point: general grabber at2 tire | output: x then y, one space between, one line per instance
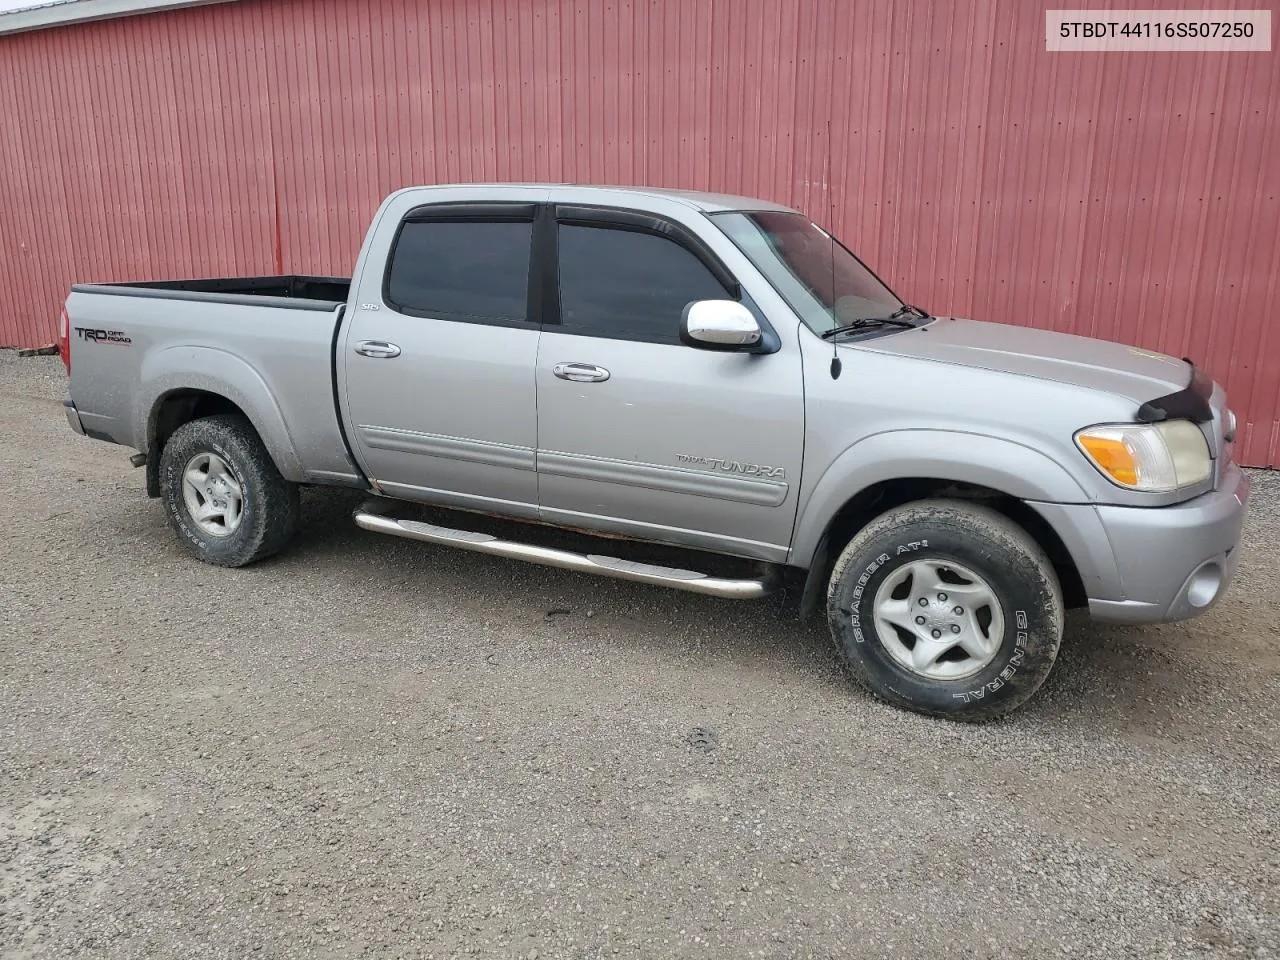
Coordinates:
947 608
223 493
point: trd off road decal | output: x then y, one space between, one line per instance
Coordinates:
103 336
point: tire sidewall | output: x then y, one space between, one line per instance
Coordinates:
1031 616
196 438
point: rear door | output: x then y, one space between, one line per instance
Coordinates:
438 358
641 434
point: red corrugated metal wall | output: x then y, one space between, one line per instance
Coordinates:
1130 196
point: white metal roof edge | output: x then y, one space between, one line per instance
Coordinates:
59 13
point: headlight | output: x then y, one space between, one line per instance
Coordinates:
1153 457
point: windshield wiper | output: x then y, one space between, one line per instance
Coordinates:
908 308
896 319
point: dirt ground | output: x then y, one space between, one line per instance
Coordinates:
374 748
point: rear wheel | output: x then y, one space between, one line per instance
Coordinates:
947 608
223 493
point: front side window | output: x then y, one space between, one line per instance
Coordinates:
628 285
461 270
823 283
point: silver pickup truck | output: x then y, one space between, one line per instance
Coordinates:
710 373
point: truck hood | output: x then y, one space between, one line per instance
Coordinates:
1139 375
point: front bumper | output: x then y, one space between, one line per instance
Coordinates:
1153 564
73 416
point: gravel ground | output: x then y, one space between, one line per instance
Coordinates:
374 748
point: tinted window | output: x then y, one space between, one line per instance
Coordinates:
461 271
628 285
821 280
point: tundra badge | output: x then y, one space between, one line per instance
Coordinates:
734 466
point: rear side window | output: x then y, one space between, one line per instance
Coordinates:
628 285
460 270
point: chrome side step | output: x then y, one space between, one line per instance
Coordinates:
689 580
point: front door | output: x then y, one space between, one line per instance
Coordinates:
438 359
643 435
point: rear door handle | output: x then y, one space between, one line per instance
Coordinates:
580 372
378 349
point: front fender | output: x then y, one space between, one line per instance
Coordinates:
216 371
1004 465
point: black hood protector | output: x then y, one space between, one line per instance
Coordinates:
1190 403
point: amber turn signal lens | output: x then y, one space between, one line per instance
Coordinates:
1113 457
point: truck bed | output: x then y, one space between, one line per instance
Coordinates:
321 290
264 344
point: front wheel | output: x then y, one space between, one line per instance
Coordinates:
224 495
947 608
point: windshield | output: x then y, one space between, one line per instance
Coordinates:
797 255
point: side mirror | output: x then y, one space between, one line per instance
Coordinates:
719 325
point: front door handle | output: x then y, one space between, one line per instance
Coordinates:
580 372
378 349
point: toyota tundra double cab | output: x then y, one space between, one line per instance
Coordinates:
713 374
